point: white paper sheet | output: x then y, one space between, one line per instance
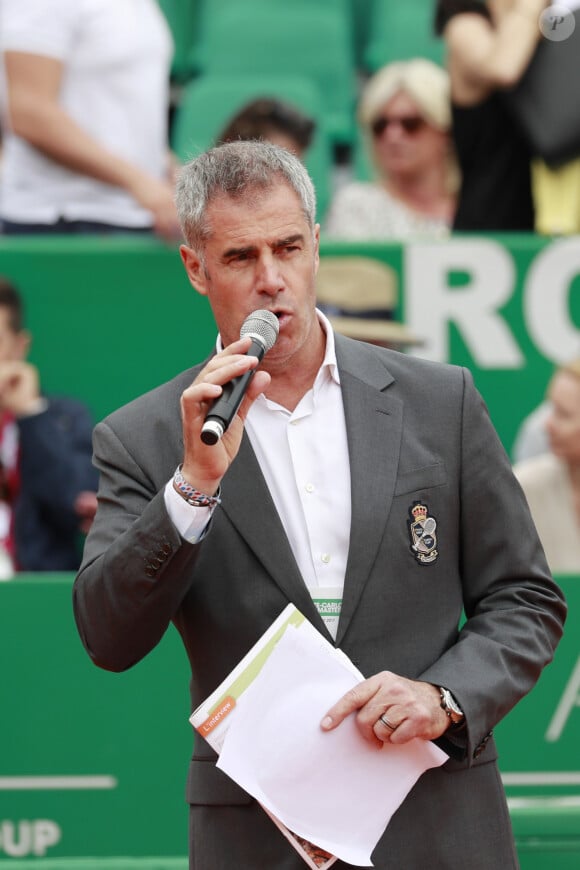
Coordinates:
332 788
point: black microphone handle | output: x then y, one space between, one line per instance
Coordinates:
225 407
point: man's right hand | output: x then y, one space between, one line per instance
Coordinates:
205 465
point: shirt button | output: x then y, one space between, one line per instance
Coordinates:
326 558
309 487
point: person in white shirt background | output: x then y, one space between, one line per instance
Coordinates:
86 117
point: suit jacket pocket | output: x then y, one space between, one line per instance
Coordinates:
208 785
421 478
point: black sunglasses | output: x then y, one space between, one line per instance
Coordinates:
411 124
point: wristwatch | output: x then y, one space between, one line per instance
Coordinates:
451 707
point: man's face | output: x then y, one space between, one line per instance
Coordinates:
261 254
13 345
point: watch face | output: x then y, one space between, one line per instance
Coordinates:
450 706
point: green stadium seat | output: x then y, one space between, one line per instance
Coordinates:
212 10
182 17
361 16
268 39
400 31
208 102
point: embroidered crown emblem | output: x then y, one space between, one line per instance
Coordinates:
423 533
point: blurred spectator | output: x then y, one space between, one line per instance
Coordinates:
47 481
359 295
2 117
273 121
85 131
489 47
405 116
556 193
551 481
531 438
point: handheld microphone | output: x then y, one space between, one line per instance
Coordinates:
263 328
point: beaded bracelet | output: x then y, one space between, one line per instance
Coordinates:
192 495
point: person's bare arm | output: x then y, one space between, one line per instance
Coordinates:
36 115
483 57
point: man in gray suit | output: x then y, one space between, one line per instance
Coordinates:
350 472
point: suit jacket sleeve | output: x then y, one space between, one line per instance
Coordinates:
136 568
514 611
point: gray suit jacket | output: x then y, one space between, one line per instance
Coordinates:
418 432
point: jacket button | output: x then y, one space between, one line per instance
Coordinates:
152 565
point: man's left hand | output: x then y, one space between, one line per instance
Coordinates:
409 709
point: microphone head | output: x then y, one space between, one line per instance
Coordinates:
262 326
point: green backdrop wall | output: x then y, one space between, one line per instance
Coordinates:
112 318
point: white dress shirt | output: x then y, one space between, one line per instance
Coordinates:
303 455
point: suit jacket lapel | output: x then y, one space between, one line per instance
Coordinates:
374 422
249 505
374 428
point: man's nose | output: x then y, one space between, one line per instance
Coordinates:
268 277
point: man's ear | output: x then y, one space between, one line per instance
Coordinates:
194 269
316 247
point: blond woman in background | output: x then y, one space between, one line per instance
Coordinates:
405 120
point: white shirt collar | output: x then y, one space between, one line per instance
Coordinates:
329 365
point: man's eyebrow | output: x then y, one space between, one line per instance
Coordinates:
289 240
234 252
278 243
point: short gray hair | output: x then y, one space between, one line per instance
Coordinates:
237 169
